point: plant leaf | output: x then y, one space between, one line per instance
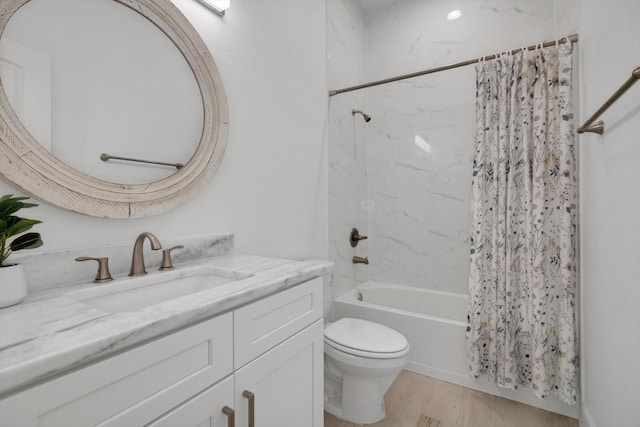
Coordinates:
10 204
12 225
11 220
22 225
26 241
8 207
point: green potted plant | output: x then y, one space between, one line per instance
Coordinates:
14 237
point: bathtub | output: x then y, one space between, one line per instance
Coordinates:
434 322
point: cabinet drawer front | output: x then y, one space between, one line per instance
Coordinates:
205 409
132 388
262 325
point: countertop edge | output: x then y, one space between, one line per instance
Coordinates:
44 357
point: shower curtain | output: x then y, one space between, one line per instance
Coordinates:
522 307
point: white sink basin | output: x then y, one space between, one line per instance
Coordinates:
134 293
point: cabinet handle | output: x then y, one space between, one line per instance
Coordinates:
231 415
252 407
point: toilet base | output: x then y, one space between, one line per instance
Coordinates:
356 398
361 403
356 378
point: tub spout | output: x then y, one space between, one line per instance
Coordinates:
360 260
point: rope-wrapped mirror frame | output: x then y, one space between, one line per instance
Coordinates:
26 164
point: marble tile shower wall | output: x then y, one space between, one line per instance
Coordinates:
415 203
347 141
419 226
411 35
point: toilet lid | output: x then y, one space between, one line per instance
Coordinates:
365 336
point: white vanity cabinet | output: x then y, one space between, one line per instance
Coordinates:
286 384
279 359
204 409
132 388
270 349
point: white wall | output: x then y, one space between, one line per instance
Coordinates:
271 188
346 66
610 192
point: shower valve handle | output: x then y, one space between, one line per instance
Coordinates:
355 237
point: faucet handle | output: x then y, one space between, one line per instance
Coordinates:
166 258
355 237
103 274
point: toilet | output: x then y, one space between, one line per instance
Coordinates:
361 360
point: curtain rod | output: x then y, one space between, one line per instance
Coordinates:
573 38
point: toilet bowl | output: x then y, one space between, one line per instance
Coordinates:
361 360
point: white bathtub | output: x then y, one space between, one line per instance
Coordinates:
434 322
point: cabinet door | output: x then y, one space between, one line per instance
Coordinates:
131 388
203 410
287 383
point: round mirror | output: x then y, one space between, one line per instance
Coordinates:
89 84
114 84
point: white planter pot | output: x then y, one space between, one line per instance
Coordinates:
13 285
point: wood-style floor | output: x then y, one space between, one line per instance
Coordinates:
418 401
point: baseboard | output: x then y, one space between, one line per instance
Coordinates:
520 395
586 419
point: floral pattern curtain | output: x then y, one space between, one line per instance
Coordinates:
522 305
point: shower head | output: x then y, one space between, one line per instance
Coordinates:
367 118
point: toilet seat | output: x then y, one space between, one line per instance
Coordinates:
365 354
365 339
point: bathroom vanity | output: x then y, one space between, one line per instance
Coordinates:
245 353
234 341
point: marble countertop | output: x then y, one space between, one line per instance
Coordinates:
51 333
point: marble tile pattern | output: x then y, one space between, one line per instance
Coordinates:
347 142
50 336
46 269
412 35
418 202
419 228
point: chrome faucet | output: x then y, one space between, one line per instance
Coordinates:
137 261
